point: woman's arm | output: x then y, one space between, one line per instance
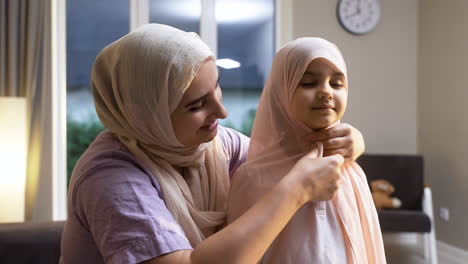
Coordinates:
247 239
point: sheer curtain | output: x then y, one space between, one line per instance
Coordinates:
26 71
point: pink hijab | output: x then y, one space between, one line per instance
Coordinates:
276 144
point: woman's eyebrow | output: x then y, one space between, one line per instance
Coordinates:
196 100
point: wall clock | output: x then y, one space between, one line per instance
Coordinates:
358 16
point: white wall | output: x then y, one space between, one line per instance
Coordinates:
442 111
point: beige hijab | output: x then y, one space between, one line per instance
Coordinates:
137 82
277 142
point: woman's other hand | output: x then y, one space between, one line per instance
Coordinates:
342 139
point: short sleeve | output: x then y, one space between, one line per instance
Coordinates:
235 146
124 211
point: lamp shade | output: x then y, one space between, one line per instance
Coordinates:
13 153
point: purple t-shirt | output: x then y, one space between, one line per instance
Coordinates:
116 210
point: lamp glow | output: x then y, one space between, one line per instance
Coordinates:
228 63
13 151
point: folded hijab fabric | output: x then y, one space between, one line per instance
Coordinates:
137 82
343 230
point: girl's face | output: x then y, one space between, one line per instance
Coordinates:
195 118
321 96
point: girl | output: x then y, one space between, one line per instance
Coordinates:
307 91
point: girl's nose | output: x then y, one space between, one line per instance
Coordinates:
326 92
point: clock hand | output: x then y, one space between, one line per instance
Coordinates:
359 5
357 12
353 14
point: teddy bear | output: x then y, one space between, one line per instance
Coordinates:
381 191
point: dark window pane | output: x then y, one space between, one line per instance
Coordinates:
246 43
91 25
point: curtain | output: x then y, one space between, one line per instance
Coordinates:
25 59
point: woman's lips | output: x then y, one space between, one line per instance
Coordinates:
211 126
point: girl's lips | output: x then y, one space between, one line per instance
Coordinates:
211 126
323 106
323 110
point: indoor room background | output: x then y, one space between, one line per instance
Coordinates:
407 82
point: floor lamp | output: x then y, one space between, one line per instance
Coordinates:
13 153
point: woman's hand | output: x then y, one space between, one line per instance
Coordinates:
318 178
342 139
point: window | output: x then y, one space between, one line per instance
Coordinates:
245 54
244 44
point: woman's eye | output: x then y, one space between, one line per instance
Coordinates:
196 107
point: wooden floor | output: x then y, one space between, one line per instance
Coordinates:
403 254
407 249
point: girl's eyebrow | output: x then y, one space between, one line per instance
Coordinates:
319 74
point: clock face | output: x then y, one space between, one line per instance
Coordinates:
358 16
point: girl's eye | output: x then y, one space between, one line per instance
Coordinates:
337 83
309 84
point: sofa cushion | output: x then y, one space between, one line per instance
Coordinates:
404 221
31 242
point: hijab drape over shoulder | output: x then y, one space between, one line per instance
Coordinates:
137 82
276 144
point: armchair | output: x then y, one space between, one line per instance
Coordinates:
405 172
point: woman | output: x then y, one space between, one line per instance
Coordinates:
153 187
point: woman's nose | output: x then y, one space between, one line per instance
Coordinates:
220 110
222 114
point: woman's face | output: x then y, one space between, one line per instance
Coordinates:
321 96
195 118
